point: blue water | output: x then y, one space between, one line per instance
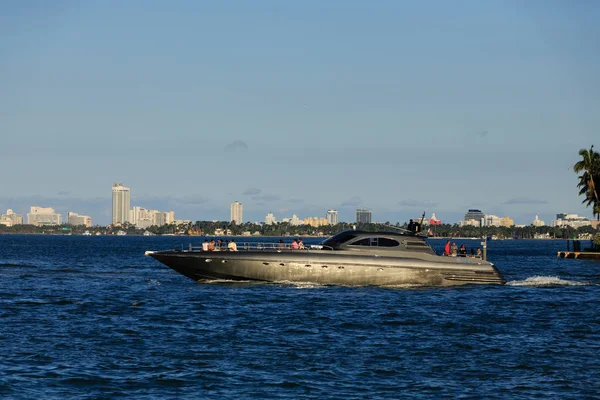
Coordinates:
92 318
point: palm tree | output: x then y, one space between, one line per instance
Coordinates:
589 180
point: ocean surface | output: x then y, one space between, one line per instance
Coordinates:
93 318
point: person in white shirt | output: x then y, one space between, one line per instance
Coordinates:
232 246
205 245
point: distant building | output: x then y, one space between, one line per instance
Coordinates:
10 218
474 215
315 222
572 220
163 218
434 221
270 219
494 220
42 216
76 219
538 222
332 217
363 216
121 202
236 212
295 221
469 222
143 218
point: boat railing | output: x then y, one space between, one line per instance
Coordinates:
260 246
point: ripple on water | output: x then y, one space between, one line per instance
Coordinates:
546 281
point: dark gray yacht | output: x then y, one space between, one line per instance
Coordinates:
348 258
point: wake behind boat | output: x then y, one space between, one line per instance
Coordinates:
348 258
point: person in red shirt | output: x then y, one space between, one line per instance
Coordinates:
447 249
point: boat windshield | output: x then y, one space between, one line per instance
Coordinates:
338 239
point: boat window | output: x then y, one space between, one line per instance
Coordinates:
338 239
386 242
362 242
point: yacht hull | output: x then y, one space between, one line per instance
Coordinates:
330 268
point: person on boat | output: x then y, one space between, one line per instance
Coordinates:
300 244
281 245
454 249
447 251
294 245
205 245
411 226
211 245
462 252
232 246
478 253
219 246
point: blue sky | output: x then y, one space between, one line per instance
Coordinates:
297 107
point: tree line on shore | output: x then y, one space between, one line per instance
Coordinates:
210 228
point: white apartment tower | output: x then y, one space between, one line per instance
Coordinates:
332 217
121 200
236 212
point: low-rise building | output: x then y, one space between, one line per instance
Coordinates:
76 219
42 216
537 222
10 218
494 220
573 220
270 219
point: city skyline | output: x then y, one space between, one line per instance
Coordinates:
143 217
397 107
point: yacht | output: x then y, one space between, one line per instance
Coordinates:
348 258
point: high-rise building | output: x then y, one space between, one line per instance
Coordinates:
270 219
121 200
474 215
363 216
332 217
40 216
236 212
76 219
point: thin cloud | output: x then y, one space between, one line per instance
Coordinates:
352 202
192 200
252 192
296 201
524 200
417 203
236 145
482 134
266 198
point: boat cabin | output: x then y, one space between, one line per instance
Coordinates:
377 241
